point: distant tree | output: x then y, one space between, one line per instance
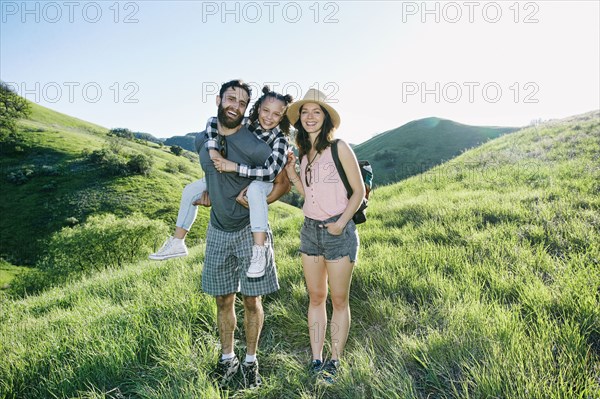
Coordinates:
122 132
12 107
177 150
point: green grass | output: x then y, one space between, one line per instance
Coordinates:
478 279
64 185
8 272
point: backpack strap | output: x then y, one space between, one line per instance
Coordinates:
339 167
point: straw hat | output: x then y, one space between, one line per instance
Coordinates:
317 97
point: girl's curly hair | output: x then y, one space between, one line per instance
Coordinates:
284 124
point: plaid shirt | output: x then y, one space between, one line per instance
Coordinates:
274 138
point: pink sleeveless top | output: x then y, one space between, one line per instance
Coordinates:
326 195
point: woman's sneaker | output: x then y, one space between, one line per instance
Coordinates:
172 248
315 366
330 370
251 377
258 262
226 370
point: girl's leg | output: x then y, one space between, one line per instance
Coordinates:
259 210
315 275
187 211
175 246
340 277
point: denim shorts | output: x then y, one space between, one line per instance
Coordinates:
315 240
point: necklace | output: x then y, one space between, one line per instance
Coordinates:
309 164
308 176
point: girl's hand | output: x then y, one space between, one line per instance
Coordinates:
204 200
242 199
290 166
224 165
214 154
334 228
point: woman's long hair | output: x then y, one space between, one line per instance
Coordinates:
284 123
323 140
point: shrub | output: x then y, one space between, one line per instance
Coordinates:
104 241
30 282
183 168
101 242
112 163
13 107
174 167
49 170
122 132
13 143
116 144
140 164
20 176
71 221
171 167
177 150
193 157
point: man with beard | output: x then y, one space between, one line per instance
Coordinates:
229 238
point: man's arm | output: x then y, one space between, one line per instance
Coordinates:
281 185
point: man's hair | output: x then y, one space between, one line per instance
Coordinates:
233 84
284 124
323 140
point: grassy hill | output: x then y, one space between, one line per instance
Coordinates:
186 142
477 279
420 145
48 182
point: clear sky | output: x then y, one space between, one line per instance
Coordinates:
155 66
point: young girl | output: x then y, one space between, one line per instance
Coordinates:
270 123
328 239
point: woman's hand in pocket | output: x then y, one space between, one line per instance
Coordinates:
334 228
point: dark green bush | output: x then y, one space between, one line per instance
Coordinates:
140 164
177 150
13 143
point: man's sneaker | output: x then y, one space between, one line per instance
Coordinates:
226 370
258 262
330 370
172 248
315 366
251 377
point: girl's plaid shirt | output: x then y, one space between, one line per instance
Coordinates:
274 138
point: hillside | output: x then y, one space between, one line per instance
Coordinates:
48 181
420 145
186 142
477 279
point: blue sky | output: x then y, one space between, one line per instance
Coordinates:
153 66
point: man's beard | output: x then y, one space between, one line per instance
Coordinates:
226 120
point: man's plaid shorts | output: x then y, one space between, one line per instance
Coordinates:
227 259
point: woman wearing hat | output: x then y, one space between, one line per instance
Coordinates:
328 239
